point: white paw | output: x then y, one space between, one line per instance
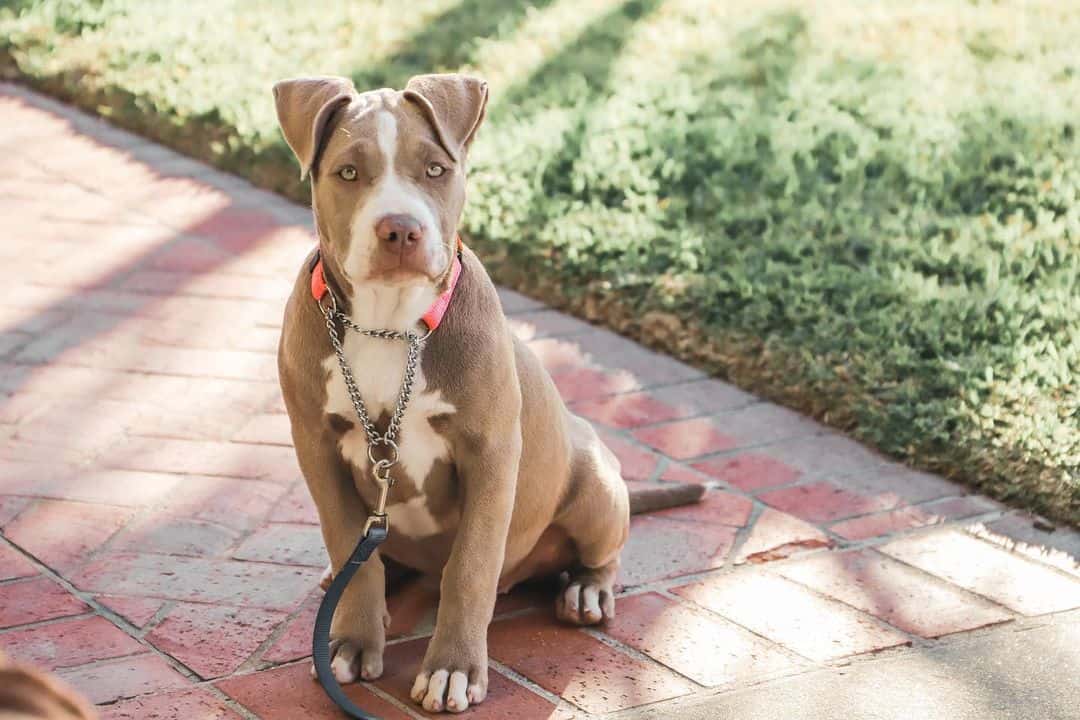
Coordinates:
585 603
349 663
447 690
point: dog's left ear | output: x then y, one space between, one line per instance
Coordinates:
454 104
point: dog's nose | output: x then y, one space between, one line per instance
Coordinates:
400 233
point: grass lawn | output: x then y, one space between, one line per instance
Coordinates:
866 210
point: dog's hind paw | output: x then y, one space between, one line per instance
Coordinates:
588 598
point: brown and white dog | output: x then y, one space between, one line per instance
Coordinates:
497 482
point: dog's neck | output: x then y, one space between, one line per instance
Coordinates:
381 306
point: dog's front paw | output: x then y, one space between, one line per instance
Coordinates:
359 654
350 661
449 682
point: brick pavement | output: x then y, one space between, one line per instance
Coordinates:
159 550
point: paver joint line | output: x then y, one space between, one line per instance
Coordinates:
155 528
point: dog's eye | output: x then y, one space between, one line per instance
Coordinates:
347 173
435 170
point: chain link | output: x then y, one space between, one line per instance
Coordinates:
415 343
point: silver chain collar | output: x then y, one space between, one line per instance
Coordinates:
380 467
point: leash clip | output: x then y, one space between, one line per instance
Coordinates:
378 516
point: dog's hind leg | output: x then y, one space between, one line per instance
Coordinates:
597 520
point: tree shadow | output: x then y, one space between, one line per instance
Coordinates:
448 41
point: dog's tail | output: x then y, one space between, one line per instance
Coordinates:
646 498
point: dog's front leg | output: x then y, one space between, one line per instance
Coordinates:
454 673
358 632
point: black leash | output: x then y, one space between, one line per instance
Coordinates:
320 641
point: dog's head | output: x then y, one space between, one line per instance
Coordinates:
387 170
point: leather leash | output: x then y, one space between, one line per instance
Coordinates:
320 641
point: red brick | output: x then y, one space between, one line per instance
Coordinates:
296 507
579 668
776 535
123 678
717 507
990 571
626 411
138 611
636 463
886 523
698 644
905 598
213 640
237 230
658 549
64 534
69 642
528 595
823 502
10 506
295 640
831 455
587 383
169 535
287 544
749 471
28 601
13 564
677 472
505 698
288 693
266 429
191 255
236 504
105 487
265 462
686 439
791 615
412 607
182 705
228 582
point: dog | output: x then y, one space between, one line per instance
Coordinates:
497 481
27 693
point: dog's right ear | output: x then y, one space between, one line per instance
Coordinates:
304 107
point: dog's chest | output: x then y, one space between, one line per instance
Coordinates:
378 367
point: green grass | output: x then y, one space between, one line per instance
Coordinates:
867 210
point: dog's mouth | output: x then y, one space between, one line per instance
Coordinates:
410 269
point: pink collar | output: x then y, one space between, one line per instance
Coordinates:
434 315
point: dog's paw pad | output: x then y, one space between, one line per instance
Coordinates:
446 690
585 602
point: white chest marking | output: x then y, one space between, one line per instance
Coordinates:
377 365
